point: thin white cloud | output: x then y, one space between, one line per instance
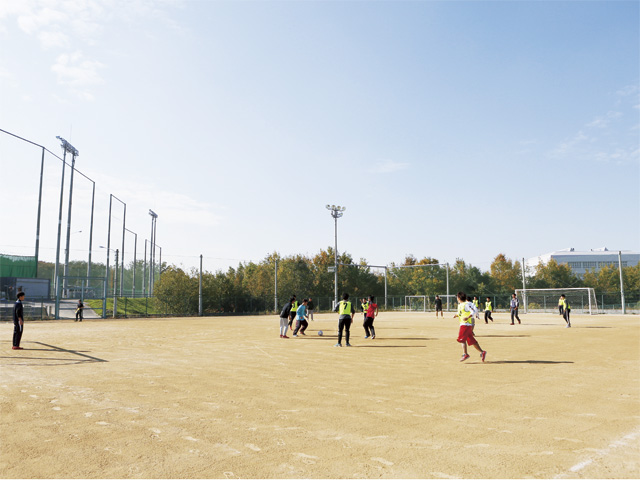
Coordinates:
76 71
51 40
389 166
604 121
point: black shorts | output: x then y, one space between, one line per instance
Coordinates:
438 309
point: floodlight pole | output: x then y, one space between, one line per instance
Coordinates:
144 270
624 309
55 268
74 153
447 270
336 213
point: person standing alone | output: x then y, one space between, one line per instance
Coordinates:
439 306
79 309
345 308
515 303
18 321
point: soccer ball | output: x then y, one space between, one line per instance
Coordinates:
320 332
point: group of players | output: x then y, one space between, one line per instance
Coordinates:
468 312
301 313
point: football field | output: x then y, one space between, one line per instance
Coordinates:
225 397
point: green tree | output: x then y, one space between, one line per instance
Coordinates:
178 291
506 274
553 275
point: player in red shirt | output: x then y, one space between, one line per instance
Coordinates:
370 315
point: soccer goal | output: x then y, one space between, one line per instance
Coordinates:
546 299
415 303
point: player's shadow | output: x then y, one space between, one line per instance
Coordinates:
391 346
534 362
78 357
500 336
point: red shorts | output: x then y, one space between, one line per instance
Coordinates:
466 335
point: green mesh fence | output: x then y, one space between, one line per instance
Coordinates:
18 266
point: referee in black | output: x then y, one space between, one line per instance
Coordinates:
18 321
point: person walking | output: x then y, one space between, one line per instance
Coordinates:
79 309
301 319
371 314
345 308
465 333
439 306
18 321
566 310
515 304
488 308
284 318
561 305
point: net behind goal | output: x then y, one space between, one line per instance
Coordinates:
415 303
545 300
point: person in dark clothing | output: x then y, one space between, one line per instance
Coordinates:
292 313
18 321
284 318
79 309
439 306
345 308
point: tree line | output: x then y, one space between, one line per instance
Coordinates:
251 286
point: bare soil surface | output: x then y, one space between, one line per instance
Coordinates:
225 397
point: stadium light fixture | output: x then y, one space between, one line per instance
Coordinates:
336 213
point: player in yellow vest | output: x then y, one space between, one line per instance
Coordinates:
345 308
466 312
561 305
292 314
488 308
364 305
566 309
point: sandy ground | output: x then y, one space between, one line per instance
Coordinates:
225 397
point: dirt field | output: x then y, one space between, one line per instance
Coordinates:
224 397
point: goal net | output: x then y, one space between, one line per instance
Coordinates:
415 303
581 300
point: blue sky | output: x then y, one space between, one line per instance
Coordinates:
448 129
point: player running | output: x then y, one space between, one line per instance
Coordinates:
566 310
301 319
466 312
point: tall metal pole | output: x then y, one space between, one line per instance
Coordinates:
93 198
447 267
385 287
135 251
151 260
275 282
106 275
200 289
144 270
624 308
65 289
335 272
524 289
115 285
39 211
55 268
160 264
124 222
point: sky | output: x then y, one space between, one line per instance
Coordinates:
448 129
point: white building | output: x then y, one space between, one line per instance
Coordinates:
581 262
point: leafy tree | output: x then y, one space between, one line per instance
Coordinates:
506 274
178 291
554 275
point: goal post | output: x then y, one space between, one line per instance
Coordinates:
545 300
415 303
